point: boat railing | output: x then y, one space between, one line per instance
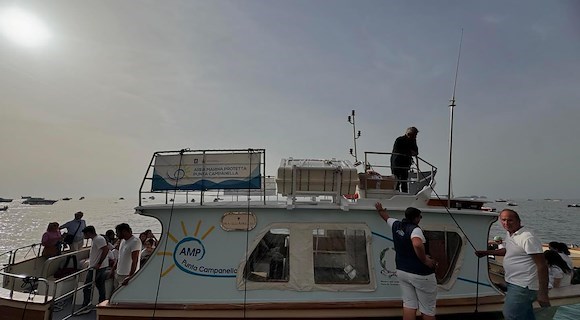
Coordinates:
30 289
29 286
421 172
218 195
60 300
186 176
8 258
42 287
24 253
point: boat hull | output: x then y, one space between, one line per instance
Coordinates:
309 310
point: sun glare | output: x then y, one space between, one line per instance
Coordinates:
23 27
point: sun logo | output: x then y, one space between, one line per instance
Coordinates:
188 251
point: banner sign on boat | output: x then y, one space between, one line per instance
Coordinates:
207 171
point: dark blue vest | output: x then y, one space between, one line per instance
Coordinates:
405 257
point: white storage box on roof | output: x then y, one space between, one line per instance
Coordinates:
316 177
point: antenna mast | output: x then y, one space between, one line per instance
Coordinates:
451 107
355 136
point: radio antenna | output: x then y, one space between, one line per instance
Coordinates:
355 136
451 107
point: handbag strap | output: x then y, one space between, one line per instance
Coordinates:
77 230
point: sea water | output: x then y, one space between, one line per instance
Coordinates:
551 220
21 225
24 224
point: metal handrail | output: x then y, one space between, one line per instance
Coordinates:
148 177
25 279
57 282
12 253
73 292
10 279
432 168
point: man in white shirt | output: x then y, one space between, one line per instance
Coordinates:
129 255
526 270
75 227
98 264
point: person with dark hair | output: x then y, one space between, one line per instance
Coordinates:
129 255
110 236
113 244
51 241
150 235
526 270
563 251
142 238
559 274
404 149
415 268
98 265
149 247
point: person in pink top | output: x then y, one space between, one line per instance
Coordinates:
51 241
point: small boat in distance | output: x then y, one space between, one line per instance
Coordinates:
121 198
4 208
26 197
5 200
82 198
512 204
574 205
38 201
500 200
66 199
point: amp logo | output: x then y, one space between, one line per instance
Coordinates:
189 249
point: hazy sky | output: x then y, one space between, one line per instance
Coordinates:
107 83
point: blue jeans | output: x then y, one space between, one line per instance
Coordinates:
518 303
99 283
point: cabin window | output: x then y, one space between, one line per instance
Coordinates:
340 256
443 246
269 260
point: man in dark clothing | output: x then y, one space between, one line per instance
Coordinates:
415 268
404 149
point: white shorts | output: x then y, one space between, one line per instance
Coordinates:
418 292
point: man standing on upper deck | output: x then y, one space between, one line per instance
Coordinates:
404 148
526 270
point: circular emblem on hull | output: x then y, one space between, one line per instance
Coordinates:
188 251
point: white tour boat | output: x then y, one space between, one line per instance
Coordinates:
297 246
